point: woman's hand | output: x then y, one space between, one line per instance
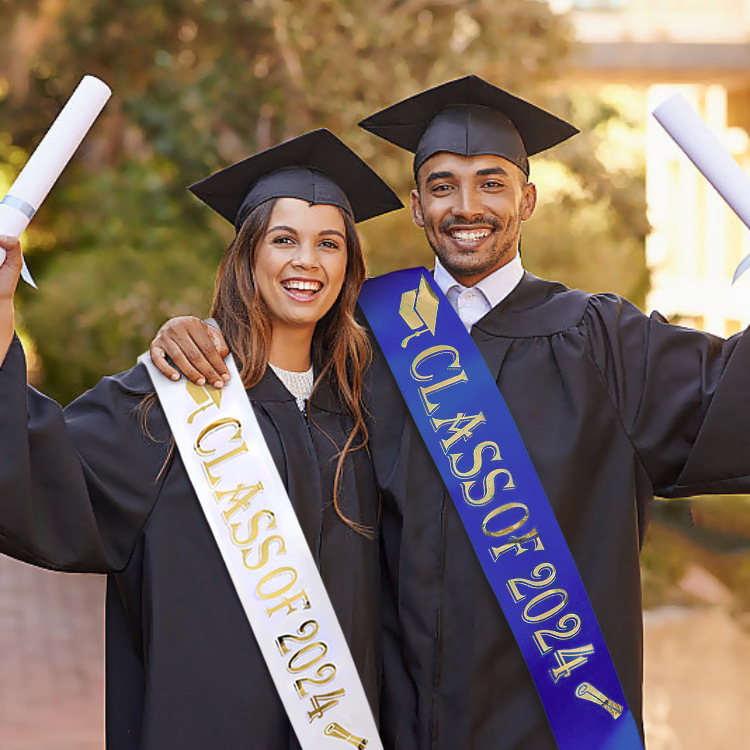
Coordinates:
10 271
196 349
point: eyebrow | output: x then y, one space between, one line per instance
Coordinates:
492 170
437 176
480 173
292 230
334 231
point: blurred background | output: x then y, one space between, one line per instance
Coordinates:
120 246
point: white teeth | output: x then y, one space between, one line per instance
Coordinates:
305 286
464 236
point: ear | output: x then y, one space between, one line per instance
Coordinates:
416 208
528 201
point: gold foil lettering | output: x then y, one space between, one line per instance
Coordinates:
305 632
217 425
294 667
253 527
541 577
454 458
434 351
284 571
424 392
516 544
488 485
208 465
508 529
287 602
239 498
201 451
325 673
461 427
547 613
265 552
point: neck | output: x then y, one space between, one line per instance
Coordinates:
470 278
290 348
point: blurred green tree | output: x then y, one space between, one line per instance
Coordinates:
119 246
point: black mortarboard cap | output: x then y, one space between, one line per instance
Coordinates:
469 116
316 167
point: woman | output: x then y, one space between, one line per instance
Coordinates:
98 487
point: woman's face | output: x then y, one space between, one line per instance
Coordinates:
300 262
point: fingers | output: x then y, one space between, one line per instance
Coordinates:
213 347
195 350
11 262
159 358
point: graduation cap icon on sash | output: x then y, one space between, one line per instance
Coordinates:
419 310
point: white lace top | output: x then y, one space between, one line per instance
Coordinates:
299 384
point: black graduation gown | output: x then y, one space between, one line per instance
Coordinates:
613 407
83 491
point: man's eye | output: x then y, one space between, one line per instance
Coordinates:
441 188
493 184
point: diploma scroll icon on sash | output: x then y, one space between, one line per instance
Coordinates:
589 693
337 731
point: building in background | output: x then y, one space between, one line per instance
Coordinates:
701 48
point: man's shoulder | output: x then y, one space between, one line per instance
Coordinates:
540 307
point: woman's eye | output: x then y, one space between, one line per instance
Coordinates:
330 244
282 240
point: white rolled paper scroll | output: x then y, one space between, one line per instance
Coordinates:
713 160
49 159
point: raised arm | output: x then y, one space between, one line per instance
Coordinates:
75 487
10 272
196 349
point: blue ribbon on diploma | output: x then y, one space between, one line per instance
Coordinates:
480 454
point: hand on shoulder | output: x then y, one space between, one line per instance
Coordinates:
196 349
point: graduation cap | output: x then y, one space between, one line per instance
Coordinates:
316 167
469 116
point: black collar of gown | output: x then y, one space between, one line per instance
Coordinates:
534 308
270 389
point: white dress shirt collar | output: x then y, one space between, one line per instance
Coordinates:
473 303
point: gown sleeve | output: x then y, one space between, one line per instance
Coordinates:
76 486
681 395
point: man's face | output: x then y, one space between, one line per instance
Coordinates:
471 209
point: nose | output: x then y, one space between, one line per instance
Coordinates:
306 256
469 204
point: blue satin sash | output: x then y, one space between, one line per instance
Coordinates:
480 454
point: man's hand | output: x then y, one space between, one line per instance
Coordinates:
196 349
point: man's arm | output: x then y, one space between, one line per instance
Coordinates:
195 348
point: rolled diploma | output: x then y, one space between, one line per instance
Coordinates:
49 159
713 160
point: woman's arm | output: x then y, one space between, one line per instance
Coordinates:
10 272
75 488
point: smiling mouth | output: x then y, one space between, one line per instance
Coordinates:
303 289
469 235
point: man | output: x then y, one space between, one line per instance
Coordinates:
612 406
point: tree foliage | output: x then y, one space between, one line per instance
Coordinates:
120 246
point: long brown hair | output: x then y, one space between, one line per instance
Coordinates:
340 348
